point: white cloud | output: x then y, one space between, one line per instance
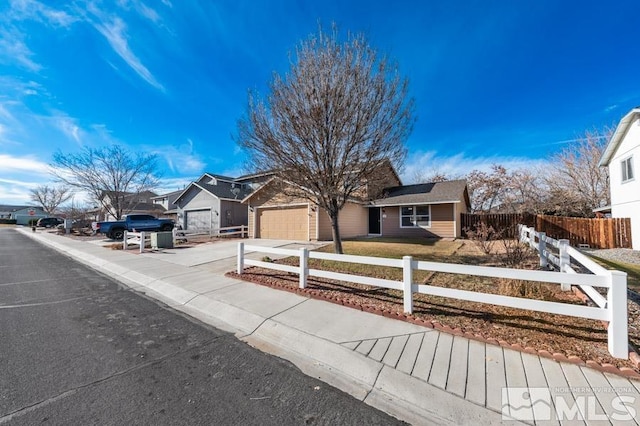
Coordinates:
13 50
181 159
29 164
68 127
32 9
425 163
148 12
114 31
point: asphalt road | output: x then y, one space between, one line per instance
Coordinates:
78 348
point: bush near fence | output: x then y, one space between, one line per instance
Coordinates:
595 233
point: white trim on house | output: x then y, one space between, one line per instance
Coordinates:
430 203
414 215
317 222
626 168
618 136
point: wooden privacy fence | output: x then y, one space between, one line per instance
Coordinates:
506 223
595 233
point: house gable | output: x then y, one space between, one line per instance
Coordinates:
622 156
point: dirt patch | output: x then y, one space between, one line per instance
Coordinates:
575 338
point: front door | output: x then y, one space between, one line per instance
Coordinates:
374 221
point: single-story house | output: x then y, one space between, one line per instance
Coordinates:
215 201
621 156
22 214
390 210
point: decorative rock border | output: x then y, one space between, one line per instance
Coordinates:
604 367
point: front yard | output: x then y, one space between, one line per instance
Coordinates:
577 337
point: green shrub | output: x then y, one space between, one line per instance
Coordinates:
8 221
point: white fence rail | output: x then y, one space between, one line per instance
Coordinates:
614 311
185 234
139 238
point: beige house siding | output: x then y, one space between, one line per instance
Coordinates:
271 198
352 220
442 223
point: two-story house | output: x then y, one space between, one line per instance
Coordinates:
621 156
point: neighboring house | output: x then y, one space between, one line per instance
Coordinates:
168 203
215 201
622 155
133 203
22 214
385 209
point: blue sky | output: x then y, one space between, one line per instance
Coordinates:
494 81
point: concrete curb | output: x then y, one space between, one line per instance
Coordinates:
401 395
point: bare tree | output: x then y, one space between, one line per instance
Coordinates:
576 184
525 192
50 197
433 174
487 189
109 175
339 113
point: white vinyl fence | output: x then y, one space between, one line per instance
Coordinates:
185 234
139 238
614 311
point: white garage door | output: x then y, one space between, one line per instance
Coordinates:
290 223
198 219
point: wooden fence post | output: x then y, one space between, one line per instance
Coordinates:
617 332
542 247
565 261
304 267
240 266
407 283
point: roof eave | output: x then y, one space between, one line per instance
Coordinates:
618 135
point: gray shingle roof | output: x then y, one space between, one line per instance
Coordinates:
423 193
226 190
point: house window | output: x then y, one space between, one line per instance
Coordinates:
627 169
415 216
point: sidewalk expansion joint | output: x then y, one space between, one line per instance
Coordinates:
270 318
391 336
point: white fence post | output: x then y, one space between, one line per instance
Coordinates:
617 332
565 261
304 266
520 232
542 246
142 241
240 265
407 281
124 241
532 239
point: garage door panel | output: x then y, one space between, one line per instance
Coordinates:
198 219
290 223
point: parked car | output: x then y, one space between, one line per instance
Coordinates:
49 222
133 223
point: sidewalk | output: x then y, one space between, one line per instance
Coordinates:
417 374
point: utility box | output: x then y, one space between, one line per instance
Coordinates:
68 224
161 240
